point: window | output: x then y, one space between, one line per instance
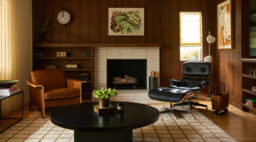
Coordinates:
190 36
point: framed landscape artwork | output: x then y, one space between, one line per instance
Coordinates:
126 22
224 25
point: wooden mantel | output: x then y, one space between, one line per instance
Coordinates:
98 45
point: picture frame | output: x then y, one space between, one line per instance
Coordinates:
126 21
224 25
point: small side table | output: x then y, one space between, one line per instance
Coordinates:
22 109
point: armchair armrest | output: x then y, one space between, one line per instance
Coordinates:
175 82
74 83
35 85
36 93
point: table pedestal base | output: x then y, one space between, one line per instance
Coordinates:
107 136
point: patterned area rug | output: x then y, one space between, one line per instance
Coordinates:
191 126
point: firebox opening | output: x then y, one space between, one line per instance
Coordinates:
127 73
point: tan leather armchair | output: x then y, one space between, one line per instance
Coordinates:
49 88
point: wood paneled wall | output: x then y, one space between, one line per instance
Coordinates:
229 67
90 24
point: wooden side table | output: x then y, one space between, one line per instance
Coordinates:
15 118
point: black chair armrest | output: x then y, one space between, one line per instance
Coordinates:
175 82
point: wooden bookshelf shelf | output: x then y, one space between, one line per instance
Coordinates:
249 91
63 58
247 60
249 76
67 45
249 107
78 70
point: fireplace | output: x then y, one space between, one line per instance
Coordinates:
127 73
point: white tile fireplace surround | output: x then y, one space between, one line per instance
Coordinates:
102 54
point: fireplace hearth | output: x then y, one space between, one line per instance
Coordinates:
127 73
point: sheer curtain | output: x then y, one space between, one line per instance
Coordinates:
15 46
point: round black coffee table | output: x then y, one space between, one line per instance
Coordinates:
92 127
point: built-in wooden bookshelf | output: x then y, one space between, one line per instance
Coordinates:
45 55
248 80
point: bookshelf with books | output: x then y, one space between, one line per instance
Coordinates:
75 59
249 84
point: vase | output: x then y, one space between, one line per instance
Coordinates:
103 103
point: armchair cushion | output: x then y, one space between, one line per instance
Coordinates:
61 93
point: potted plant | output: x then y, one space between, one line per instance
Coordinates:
41 28
103 95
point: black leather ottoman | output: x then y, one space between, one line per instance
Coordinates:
172 95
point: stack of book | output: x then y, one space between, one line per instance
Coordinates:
71 66
5 92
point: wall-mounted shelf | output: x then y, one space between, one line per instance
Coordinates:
249 91
78 70
248 60
63 58
248 76
77 45
82 55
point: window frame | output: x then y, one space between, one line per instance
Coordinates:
191 44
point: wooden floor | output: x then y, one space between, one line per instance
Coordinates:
238 124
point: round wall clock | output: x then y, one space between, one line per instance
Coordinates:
63 17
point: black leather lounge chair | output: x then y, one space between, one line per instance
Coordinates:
195 77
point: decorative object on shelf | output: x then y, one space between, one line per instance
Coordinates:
220 99
51 67
39 54
250 71
224 25
210 39
126 22
63 17
85 54
71 66
103 95
62 54
250 102
7 83
85 76
254 88
42 27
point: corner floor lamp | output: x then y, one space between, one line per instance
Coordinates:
210 39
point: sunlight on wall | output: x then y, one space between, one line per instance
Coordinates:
15 46
5 52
